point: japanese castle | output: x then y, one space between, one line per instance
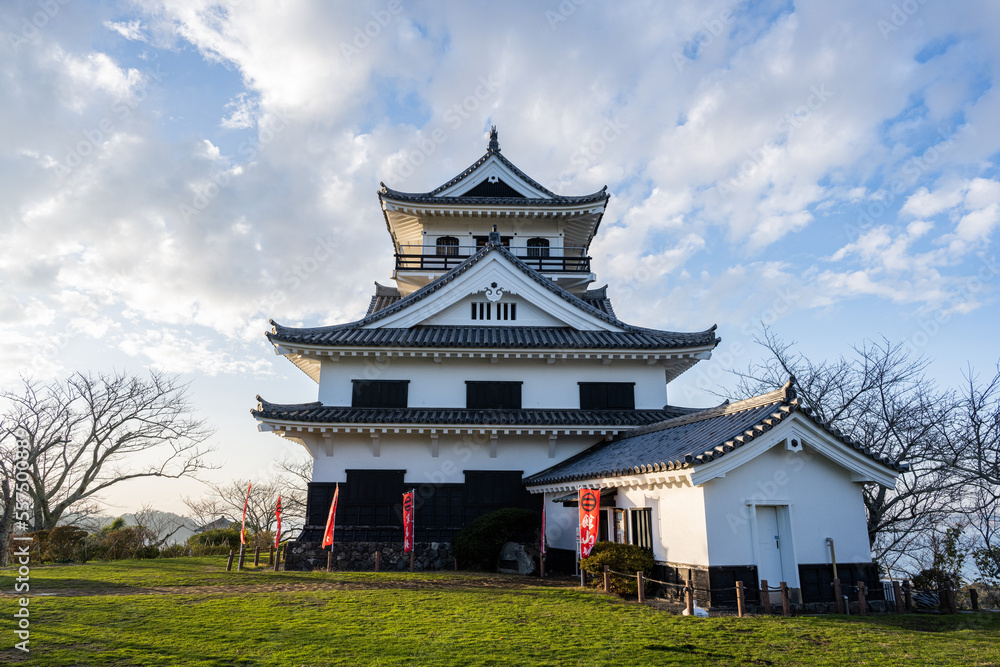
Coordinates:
492 374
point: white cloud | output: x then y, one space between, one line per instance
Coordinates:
131 30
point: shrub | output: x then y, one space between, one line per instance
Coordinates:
115 542
65 544
479 543
227 537
173 551
627 558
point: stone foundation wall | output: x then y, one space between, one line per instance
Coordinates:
360 556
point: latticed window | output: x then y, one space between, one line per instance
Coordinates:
447 245
538 247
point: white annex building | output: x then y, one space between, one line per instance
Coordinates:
491 376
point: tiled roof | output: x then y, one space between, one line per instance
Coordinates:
598 298
315 413
383 298
630 338
551 198
690 440
496 337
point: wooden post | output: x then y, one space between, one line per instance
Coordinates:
741 600
765 596
897 592
455 560
243 551
329 559
862 600
786 608
541 565
641 583
838 595
689 599
948 600
256 557
974 598
378 561
908 595
229 563
413 555
583 575
607 579
270 555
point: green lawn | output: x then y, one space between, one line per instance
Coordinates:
432 619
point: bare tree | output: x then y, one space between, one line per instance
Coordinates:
882 397
88 433
226 500
161 525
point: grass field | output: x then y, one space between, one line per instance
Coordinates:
189 611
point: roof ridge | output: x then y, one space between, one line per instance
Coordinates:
785 394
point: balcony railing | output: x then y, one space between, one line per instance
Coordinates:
444 258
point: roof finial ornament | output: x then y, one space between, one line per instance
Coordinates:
494 142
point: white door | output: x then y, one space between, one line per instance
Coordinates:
768 545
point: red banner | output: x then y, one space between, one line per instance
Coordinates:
328 533
590 519
243 524
543 525
277 533
408 522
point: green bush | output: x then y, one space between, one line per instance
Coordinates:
479 543
227 537
115 542
65 544
627 558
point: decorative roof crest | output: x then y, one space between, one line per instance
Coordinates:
494 146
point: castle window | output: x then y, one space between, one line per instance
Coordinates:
447 246
484 310
538 247
492 395
379 393
607 396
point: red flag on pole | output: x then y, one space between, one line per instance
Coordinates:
328 533
408 522
243 525
277 533
543 525
590 519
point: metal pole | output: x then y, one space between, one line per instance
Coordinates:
833 556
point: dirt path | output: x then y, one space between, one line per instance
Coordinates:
479 583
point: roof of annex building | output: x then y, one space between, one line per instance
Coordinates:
694 439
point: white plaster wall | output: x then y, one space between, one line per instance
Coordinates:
562 524
528 315
442 385
823 502
456 453
678 520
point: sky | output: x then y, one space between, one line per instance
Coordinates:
174 173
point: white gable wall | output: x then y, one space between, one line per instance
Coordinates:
442 385
822 502
460 314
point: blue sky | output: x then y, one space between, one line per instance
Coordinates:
166 166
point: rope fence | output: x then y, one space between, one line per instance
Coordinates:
902 596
